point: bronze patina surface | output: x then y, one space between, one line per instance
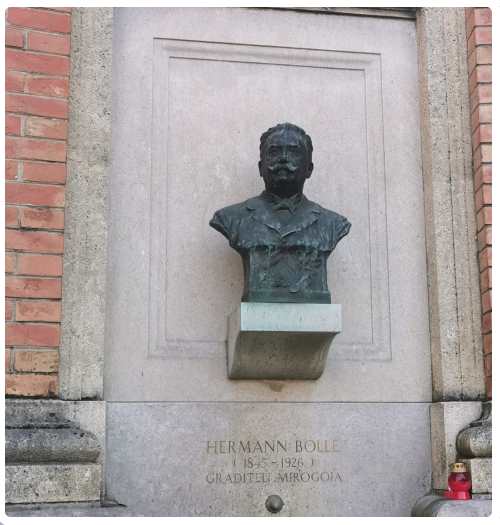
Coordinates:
283 238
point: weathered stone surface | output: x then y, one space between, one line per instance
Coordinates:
281 341
447 419
454 300
58 445
90 416
166 463
89 144
43 414
436 506
52 482
480 471
476 440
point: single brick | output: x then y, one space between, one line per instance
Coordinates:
44 172
485 279
12 125
31 385
481 55
10 262
49 43
49 311
35 149
35 63
486 301
485 258
487 365
34 264
479 36
35 105
482 134
11 169
34 241
481 155
483 217
487 343
34 194
39 19
50 87
483 175
483 238
483 196
32 334
481 16
477 16
9 310
42 218
11 219
481 115
36 361
488 387
14 81
8 354
14 37
481 94
33 288
486 323
46 128
481 74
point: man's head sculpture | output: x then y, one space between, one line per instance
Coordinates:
285 159
283 238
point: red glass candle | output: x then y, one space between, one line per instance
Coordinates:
459 482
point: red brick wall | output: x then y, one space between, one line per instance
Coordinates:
37 82
478 23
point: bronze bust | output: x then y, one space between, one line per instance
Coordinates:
283 238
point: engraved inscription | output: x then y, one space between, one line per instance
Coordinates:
271 461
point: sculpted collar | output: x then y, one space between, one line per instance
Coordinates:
264 207
291 203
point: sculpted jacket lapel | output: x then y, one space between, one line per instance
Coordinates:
262 211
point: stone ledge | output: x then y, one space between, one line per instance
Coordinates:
281 340
47 483
56 445
436 506
96 509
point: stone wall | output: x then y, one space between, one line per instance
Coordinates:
37 91
478 22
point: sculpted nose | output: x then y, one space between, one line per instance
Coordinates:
284 156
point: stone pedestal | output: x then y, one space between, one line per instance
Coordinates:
53 451
281 340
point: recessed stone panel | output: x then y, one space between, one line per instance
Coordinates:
190 103
225 459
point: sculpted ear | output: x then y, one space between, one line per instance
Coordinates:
310 169
260 168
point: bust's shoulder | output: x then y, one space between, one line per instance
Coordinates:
226 219
326 214
240 209
332 221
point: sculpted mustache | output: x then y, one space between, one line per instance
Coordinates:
289 167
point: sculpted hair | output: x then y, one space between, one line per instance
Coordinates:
304 137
